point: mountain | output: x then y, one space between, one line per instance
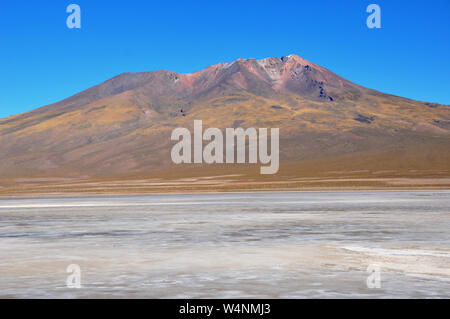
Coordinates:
121 128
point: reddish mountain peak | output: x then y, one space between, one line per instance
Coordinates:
295 59
287 74
290 73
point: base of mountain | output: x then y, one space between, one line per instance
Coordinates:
230 178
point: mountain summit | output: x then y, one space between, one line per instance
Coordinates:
123 125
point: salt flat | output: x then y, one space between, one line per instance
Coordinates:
275 245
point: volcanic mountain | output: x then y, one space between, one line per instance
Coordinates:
120 129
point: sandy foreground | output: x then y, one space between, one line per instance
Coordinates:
212 184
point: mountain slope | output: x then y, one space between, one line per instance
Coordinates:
122 126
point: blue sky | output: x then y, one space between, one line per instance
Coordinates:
43 61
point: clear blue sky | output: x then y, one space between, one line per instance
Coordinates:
42 61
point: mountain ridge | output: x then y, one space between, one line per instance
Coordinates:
122 125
